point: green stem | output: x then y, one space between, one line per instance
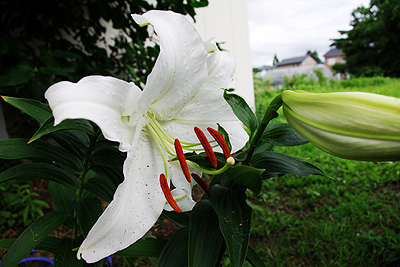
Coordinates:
89 152
271 113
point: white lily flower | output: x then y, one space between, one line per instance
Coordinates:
182 91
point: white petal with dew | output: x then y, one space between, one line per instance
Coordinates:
100 99
137 204
180 69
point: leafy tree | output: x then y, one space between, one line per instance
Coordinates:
372 45
314 54
42 42
275 61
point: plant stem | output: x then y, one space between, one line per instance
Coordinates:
271 113
83 173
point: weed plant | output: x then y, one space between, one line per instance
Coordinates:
349 219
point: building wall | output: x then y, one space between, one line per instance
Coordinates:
330 61
227 21
309 61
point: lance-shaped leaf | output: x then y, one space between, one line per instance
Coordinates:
49 127
234 221
175 252
247 176
242 111
39 170
41 112
144 248
205 238
65 256
253 258
32 236
282 134
180 219
277 164
49 243
19 149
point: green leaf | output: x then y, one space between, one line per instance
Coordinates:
75 124
49 243
109 157
39 171
32 236
100 186
223 132
115 176
41 112
247 176
19 75
65 256
277 164
205 238
180 219
253 258
20 149
75 141
282 134
63 197
144 248
198 3
88 211
242 111
234 221
175 252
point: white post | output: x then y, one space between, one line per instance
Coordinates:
227 21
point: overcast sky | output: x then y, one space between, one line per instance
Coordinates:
290 28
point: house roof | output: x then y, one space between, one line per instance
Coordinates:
334 52
292 60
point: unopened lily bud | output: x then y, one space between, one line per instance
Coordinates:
351 125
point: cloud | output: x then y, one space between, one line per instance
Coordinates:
291 27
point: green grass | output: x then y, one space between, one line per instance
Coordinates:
350 219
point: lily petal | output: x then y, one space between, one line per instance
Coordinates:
208 107
100 99
137 204
180 69
184 201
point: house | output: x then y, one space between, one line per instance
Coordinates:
303 61
333 56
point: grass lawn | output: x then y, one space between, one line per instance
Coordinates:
350 219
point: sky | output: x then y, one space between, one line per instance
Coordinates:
290 28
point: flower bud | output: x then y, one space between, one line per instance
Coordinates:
351 125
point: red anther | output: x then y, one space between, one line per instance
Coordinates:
182 160
221 141
207 147
167 193
202 184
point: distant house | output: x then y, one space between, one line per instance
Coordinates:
333 56
303 61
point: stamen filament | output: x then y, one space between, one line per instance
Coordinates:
167 193
202 184
159 148
221 141
229 162
207 147
182 160
158 140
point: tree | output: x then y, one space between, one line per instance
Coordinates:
314 54
372 47
43 42
275 61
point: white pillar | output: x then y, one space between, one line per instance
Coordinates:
227 21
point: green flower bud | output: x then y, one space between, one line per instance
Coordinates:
351 125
